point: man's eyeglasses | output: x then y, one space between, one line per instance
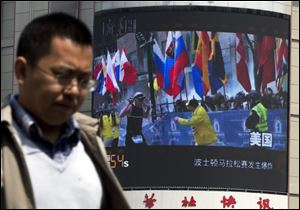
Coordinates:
65 78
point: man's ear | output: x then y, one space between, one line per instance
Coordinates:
21 69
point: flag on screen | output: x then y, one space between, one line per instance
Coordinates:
181 61
159 64
117 69
200 66
99 75
169 64
129 71
265 53
241 64
216 67
282 64
110 81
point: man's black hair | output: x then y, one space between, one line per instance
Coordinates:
36 38
194 103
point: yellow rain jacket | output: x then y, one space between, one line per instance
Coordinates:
109 131
204 132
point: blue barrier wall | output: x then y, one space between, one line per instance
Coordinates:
229 126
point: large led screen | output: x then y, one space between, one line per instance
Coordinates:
193 97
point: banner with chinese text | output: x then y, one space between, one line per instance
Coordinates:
156 199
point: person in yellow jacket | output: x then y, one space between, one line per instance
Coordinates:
204 132
258 119
109 129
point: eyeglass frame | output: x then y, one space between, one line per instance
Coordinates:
58 76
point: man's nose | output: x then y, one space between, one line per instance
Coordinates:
73 87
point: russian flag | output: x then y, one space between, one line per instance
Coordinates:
169 64
181 61
129 70
110 81
116 64
159 64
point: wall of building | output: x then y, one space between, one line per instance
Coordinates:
294 111
16 14
14 17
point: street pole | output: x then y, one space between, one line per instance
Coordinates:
147 45
151 79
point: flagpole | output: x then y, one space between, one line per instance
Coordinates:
174 104
186 91
224 92
255 60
